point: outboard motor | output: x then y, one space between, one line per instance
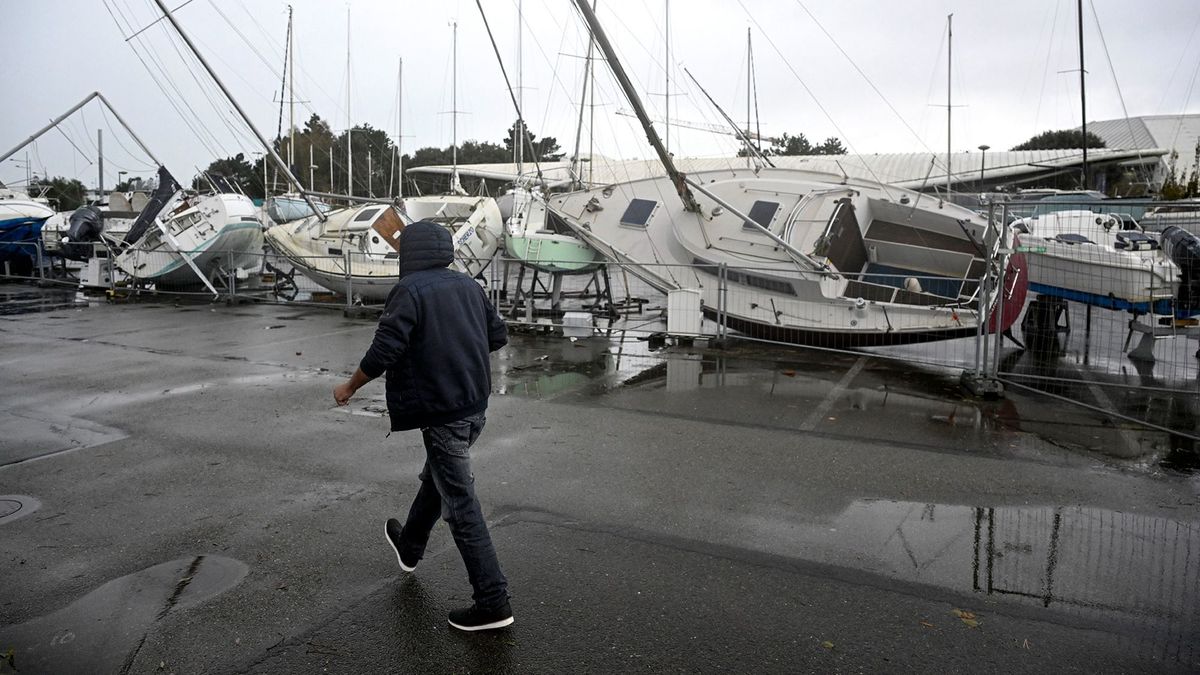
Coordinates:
1183 248
85 226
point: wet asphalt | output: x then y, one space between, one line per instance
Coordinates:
178 493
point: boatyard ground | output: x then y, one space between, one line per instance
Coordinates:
179 493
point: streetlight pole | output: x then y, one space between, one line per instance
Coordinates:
982 162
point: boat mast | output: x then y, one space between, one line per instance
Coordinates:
576 170
400 130
454 182
508 85
1083 98
349 123
677 177
520 139
291 93
748 161
245 118
667 74
949 65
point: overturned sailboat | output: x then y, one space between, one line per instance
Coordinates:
182 240
800 256
356 250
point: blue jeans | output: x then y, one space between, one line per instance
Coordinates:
448 490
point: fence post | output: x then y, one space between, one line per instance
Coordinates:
1006 252
979 381
349 283
722 300
37 245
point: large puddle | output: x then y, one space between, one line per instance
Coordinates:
858 396
1096 565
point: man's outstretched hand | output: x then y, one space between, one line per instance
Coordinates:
344 391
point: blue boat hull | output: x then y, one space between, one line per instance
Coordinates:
19 238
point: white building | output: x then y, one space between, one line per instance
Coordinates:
1179 135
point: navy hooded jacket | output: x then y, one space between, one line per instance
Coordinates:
434 337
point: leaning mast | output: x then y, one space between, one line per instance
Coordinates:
601 38
287 171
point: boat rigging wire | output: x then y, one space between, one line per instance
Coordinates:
155 77
73 144
736 130
1182 56
508 85
166 76
1046 71
817 102
865 78
206 90
117 137
1141 167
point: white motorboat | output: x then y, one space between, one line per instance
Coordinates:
1088 257
201 238
1184 214
818 258
358 248
21 221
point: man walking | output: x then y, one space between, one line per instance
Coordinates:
433 342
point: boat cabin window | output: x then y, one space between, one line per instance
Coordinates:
639 212
763 213
366 215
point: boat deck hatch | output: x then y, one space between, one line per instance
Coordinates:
365 215
639 212
763 212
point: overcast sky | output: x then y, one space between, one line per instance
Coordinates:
1008 71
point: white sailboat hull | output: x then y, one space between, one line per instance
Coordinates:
321 251
911 272
218 234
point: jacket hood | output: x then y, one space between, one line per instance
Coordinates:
423 246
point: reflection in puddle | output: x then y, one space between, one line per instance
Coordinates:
1097 565
889 401
103 631
16 300
544 368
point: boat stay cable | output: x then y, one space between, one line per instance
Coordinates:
163 81
863 74
813 96
733 125
1141 167
524 140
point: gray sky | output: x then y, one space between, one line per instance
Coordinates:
1006 73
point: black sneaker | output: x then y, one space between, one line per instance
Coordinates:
391 532
474 618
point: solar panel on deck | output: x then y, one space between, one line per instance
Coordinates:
366 215
638 213
762 213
